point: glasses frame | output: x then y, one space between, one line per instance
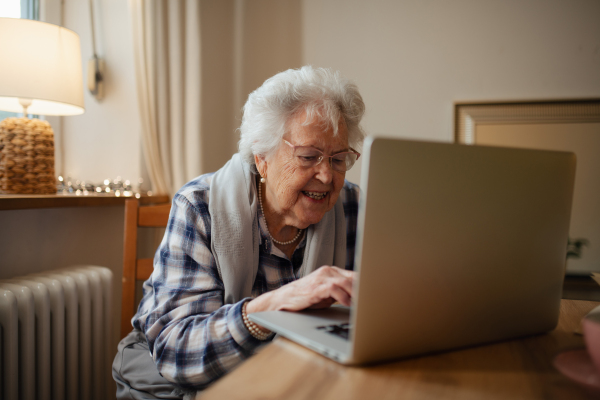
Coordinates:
323 155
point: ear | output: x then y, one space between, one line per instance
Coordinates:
261 165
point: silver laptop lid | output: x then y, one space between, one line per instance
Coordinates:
457 245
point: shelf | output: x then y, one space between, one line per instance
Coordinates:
26 202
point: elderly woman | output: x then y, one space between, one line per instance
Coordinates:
274 229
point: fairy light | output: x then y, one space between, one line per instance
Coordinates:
109 187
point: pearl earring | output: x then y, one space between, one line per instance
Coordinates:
262 180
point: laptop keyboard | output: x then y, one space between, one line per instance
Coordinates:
341 330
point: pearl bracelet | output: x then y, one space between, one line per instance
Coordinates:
254 330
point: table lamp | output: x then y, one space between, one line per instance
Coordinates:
41 74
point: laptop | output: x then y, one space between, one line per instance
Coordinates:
457 246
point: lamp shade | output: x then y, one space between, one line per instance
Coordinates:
40 62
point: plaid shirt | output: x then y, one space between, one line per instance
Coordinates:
194 338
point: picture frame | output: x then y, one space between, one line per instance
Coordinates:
567 125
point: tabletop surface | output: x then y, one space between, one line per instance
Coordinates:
515 369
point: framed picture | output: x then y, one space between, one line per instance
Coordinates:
570 125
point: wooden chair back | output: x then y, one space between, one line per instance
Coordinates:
137 269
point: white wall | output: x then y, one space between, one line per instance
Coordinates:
413 59
104 142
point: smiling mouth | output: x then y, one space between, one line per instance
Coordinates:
316 195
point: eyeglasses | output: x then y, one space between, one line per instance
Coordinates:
309 157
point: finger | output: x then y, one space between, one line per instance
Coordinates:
347 273
341 296
334 277
345 284
323 303
316 288
340 271
333 271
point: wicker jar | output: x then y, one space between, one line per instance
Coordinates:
26 156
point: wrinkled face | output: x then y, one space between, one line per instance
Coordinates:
301 196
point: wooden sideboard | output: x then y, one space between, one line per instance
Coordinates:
27 202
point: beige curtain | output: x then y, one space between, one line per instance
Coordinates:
166 44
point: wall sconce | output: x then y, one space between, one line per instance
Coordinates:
40 74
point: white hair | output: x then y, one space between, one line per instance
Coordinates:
324 94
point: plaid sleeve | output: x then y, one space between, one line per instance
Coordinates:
194 338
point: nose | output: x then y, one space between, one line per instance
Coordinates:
324 171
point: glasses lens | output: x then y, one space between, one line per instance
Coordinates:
307 156
342 162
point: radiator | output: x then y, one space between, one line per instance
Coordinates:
55 335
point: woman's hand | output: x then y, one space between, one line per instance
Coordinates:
319 289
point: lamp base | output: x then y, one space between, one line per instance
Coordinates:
26 156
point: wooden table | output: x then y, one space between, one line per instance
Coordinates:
516 369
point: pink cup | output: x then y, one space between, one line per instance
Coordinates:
591 332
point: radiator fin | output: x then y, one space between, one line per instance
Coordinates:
55 335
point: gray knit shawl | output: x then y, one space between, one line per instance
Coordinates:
235 235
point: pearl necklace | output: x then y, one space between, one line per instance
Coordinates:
265 218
